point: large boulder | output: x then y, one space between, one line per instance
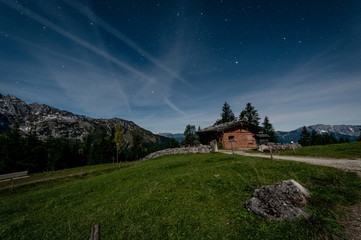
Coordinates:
282 201
214 146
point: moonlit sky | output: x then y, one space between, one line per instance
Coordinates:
166 64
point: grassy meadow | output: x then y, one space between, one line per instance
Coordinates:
198 196
340 150
66 173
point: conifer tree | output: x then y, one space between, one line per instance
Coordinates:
250 115
305 137
137 149
315 138
189 135
268 129
227 114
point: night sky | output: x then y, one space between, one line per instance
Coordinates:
166 64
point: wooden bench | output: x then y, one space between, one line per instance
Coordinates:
13 176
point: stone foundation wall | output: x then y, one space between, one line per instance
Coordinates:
276 147
173 151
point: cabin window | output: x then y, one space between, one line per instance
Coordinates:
231 138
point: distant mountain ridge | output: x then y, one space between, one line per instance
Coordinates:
48 121
177 136
352 132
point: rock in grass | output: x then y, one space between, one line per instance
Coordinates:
282 201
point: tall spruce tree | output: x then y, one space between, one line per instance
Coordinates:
305 137
268 129
227 114
138 150
250 115
315 138
189 135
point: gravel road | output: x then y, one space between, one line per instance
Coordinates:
346 164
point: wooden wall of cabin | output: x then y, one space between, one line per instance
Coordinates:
241 138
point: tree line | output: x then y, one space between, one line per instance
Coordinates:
249 114
313 138
19 152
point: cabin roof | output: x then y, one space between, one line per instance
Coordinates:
224 126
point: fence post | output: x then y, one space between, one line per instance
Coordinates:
232 145
95 232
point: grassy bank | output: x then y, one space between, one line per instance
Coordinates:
65 173
197 196
342 150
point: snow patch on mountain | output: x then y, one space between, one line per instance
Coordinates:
352 132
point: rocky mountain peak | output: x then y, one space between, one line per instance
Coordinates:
352 132
49 121
13 105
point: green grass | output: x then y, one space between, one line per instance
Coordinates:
197 196
342 150
91 169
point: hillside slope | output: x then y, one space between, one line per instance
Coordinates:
197 196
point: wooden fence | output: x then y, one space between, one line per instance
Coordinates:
15 175
12 176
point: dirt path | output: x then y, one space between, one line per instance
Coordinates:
44 180
345 164
352 223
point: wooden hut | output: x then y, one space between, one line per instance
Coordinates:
236 134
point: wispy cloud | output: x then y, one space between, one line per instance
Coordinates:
138 75
109 63
99 96
88 85
174 107
120 36
308 94
76 39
